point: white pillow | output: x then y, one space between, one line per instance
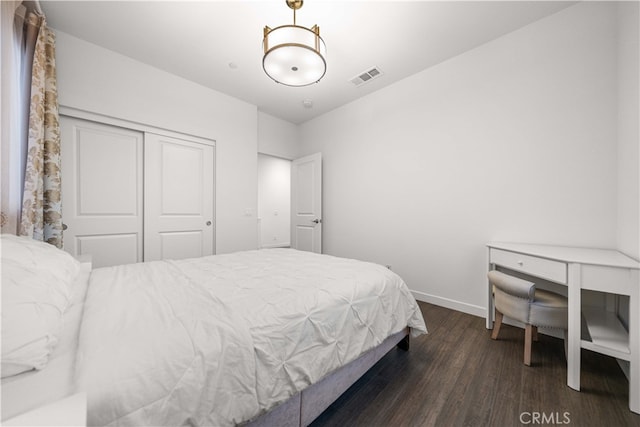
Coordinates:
37 280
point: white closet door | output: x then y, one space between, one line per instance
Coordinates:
178 220
102 191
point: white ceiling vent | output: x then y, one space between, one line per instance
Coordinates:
366 76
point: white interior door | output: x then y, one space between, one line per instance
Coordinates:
306 203
102 191
178 189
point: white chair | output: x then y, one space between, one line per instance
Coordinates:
519 300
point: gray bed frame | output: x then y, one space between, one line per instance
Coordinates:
304 407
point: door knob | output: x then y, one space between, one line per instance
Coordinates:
64 226
208 223
317 221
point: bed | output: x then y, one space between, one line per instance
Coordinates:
263 337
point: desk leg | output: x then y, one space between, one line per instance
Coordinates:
490 308
573 332
634 347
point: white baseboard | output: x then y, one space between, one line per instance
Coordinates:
276 245
474 310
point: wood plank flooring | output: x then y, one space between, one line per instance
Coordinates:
458 376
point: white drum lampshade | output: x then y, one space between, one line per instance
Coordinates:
294 55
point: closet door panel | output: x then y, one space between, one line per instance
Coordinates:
181 181
110 249
102 191
180 245
178 198
107 165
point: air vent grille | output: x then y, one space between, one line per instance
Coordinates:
366 76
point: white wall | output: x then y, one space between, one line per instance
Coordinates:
513 141
628 129
274 201
95 79
277 137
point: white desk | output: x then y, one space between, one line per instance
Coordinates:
601 270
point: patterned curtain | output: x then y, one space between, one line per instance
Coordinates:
41 202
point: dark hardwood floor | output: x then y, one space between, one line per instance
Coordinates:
458 376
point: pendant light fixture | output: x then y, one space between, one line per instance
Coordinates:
294 55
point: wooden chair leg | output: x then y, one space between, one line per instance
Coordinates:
496 325
535 333
528 333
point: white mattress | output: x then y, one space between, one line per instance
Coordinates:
33 389
219 340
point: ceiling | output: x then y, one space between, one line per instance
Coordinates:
218 44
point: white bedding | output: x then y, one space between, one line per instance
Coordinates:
33 389
219 340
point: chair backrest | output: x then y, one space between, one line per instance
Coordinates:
513 296
512 285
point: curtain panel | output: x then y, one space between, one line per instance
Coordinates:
41 202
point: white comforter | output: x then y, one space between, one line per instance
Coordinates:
219 340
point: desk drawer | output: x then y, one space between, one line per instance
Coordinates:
540 267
